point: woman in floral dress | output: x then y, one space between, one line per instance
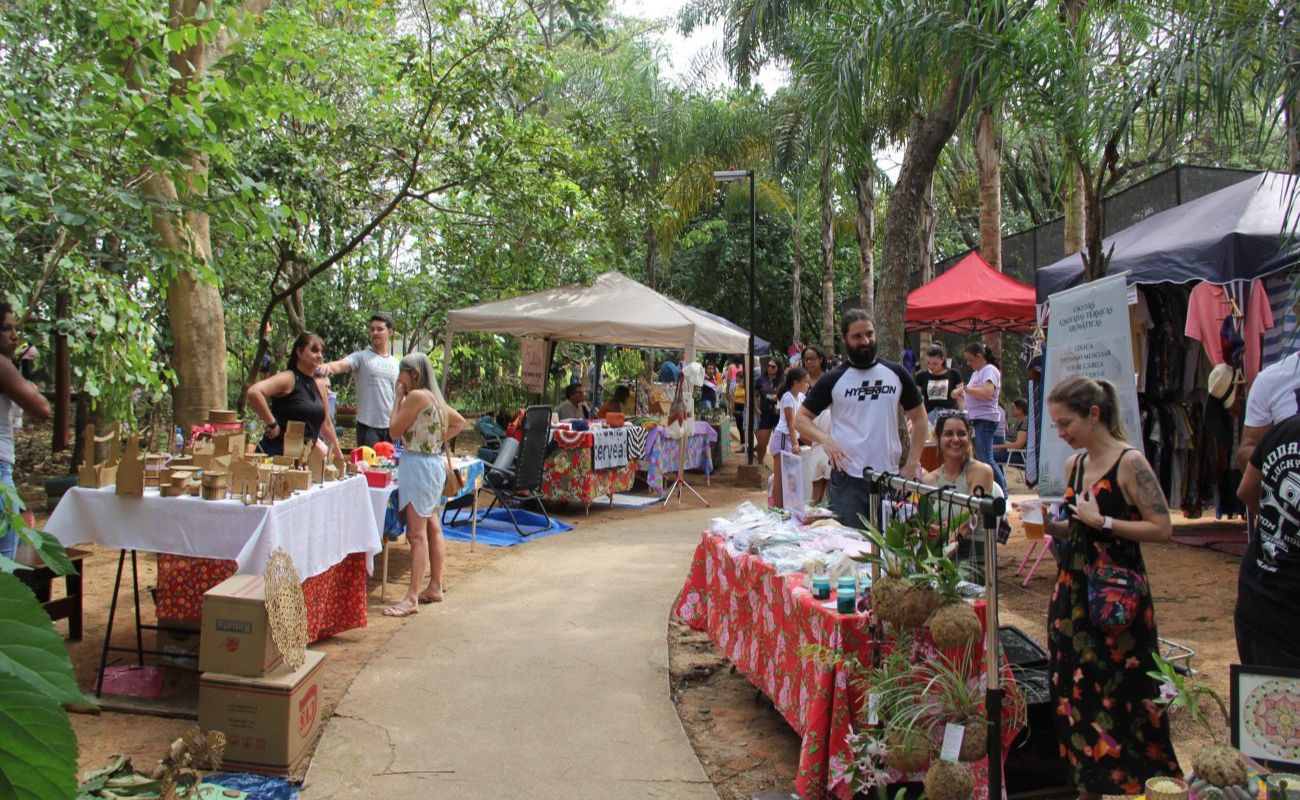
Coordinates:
1107 721
423 422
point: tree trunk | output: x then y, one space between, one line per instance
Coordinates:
1095 261
988 160
1075 212
926 139
825 199
864 192
797 278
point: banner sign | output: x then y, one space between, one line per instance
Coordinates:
609 450
533 359
1088 336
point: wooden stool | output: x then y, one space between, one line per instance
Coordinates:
39 579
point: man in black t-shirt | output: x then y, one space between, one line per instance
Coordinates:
864 396
940 386
1268 587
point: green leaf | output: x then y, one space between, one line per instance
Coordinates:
31 651
38 752
49 549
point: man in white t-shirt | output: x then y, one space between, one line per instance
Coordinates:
864 396
375 373
1273 397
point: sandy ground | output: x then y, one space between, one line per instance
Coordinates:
743 744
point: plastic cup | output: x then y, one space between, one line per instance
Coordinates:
1031 517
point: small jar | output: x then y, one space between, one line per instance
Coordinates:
846 595
821 587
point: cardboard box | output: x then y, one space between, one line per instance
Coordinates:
268 721
236 637
179 640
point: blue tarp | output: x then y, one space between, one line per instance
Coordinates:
495 529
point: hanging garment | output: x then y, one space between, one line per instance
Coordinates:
1209 306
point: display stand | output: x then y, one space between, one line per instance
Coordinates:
986 511
677 413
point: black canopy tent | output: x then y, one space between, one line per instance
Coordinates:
1245 231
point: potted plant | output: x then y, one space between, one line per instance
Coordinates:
1220 768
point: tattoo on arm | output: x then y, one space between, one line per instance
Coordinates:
1150 497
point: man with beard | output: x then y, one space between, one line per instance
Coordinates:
864 396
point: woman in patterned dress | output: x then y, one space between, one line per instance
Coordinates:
1107 721
424 423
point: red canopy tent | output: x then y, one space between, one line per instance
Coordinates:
974 298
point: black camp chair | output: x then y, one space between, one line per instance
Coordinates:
520 483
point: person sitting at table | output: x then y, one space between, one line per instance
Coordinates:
1017 432
575 403
294 394
424 423
617 403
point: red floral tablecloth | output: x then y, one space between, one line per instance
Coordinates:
568 477
760 621
336 598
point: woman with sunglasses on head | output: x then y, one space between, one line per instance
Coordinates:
14 391
767 387
295 394
1101 653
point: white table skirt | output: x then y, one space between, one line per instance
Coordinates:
318 528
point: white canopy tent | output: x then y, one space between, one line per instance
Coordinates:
614 310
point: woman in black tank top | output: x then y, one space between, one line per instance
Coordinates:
294 395
1112 732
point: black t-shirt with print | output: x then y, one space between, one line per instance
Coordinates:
1268 587
864 407
936 390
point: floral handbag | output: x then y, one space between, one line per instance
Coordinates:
1114 593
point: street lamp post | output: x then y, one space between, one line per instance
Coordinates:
726 176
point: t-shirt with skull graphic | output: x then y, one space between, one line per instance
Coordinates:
1268 586
864 406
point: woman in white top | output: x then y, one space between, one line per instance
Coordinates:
14 390
816 466
784 438
982 393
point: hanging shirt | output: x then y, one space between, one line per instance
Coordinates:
864 406
1207 308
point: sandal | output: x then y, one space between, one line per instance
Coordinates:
430 598
400 610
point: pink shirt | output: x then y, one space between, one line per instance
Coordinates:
1207 308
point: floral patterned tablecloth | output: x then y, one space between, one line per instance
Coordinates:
335 599
760 621
663 455
569 478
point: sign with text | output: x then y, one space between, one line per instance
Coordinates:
533 359
609 448
1088 337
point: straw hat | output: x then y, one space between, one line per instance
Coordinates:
1221 385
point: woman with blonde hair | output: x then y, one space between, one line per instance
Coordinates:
1101 624
423 422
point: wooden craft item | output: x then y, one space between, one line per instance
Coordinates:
180 481
340 468
93 475
181 461
154 466
331 472
300 479
283 461
222 416
316 465
293 439
286 608
228 442
216 485
244 480
283 485
130 470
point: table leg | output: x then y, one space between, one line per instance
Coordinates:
473 522
73 584
139 635
108 631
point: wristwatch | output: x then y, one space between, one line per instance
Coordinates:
1107 523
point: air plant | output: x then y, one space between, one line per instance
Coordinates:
1220 764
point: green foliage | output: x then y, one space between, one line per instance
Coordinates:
1186 692
38 753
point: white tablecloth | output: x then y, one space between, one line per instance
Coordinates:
318 528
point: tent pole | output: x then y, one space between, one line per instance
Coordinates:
546 377
596 389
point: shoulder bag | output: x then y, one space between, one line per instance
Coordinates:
1114 593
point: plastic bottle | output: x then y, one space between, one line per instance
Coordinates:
180 439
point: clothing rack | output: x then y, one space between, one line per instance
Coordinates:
986 511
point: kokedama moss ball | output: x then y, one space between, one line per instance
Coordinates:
887 598
975 742
949 781
918 604
955 625
1220 764
907 751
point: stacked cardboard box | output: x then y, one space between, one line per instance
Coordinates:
269 712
